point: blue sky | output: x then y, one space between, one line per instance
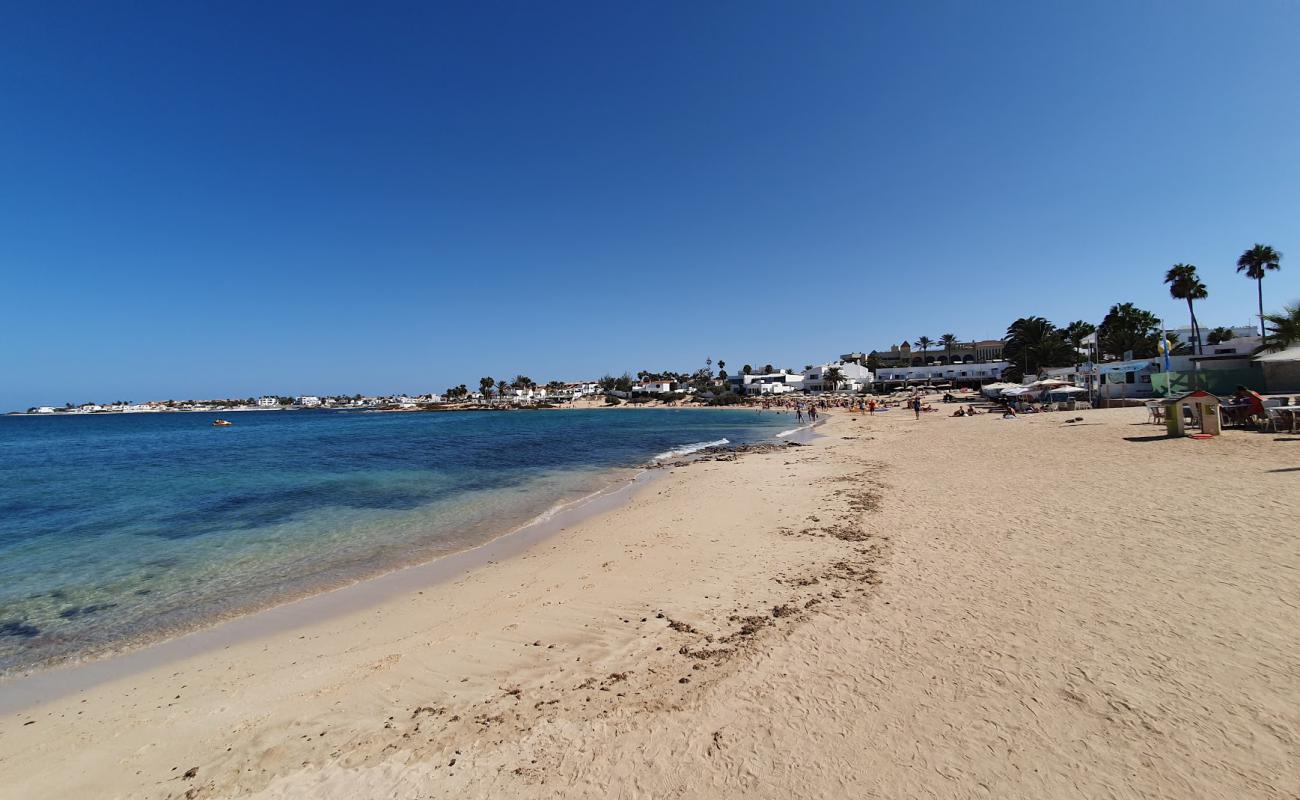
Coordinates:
246 198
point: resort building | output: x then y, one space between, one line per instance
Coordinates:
268 402
308 401
905 355
968 374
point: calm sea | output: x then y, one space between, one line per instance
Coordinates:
116 529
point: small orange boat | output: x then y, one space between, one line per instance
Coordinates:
221 423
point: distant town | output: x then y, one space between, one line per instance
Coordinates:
1033 348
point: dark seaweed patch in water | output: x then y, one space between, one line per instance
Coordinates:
17 628
260 509
82 611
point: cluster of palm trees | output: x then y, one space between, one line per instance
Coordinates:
1255 263
488 385
948 341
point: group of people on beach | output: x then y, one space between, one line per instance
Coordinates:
808 408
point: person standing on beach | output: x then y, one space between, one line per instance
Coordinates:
871 406
798 412
916 406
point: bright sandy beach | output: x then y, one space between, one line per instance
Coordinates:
933 608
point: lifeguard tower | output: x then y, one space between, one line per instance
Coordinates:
1205 410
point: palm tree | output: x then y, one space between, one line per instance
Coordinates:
502 387
1255 262
1220 335
485 386
949 341
833 376
924 343
1185 284
1128 328
1284 328
1032 344
1075 333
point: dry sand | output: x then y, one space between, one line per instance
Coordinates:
942 608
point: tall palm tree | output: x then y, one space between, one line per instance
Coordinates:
485 386
949 341
503 386
1255 262
925 342
1185 284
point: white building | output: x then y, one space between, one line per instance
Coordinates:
308 401
771 383
1238 332
268 402
45 409
654 387
982 372
853 377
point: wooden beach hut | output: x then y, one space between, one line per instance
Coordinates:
1204 406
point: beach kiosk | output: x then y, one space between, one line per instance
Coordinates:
1205 407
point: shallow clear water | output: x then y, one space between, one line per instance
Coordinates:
122 528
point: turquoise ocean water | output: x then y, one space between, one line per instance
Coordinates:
116 529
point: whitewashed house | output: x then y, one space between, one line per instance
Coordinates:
854 377
781 382
308 401
654 387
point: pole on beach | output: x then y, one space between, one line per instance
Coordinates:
1164 353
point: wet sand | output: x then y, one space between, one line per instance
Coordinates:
944 607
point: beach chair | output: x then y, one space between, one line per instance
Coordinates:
1155 412
1272 418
